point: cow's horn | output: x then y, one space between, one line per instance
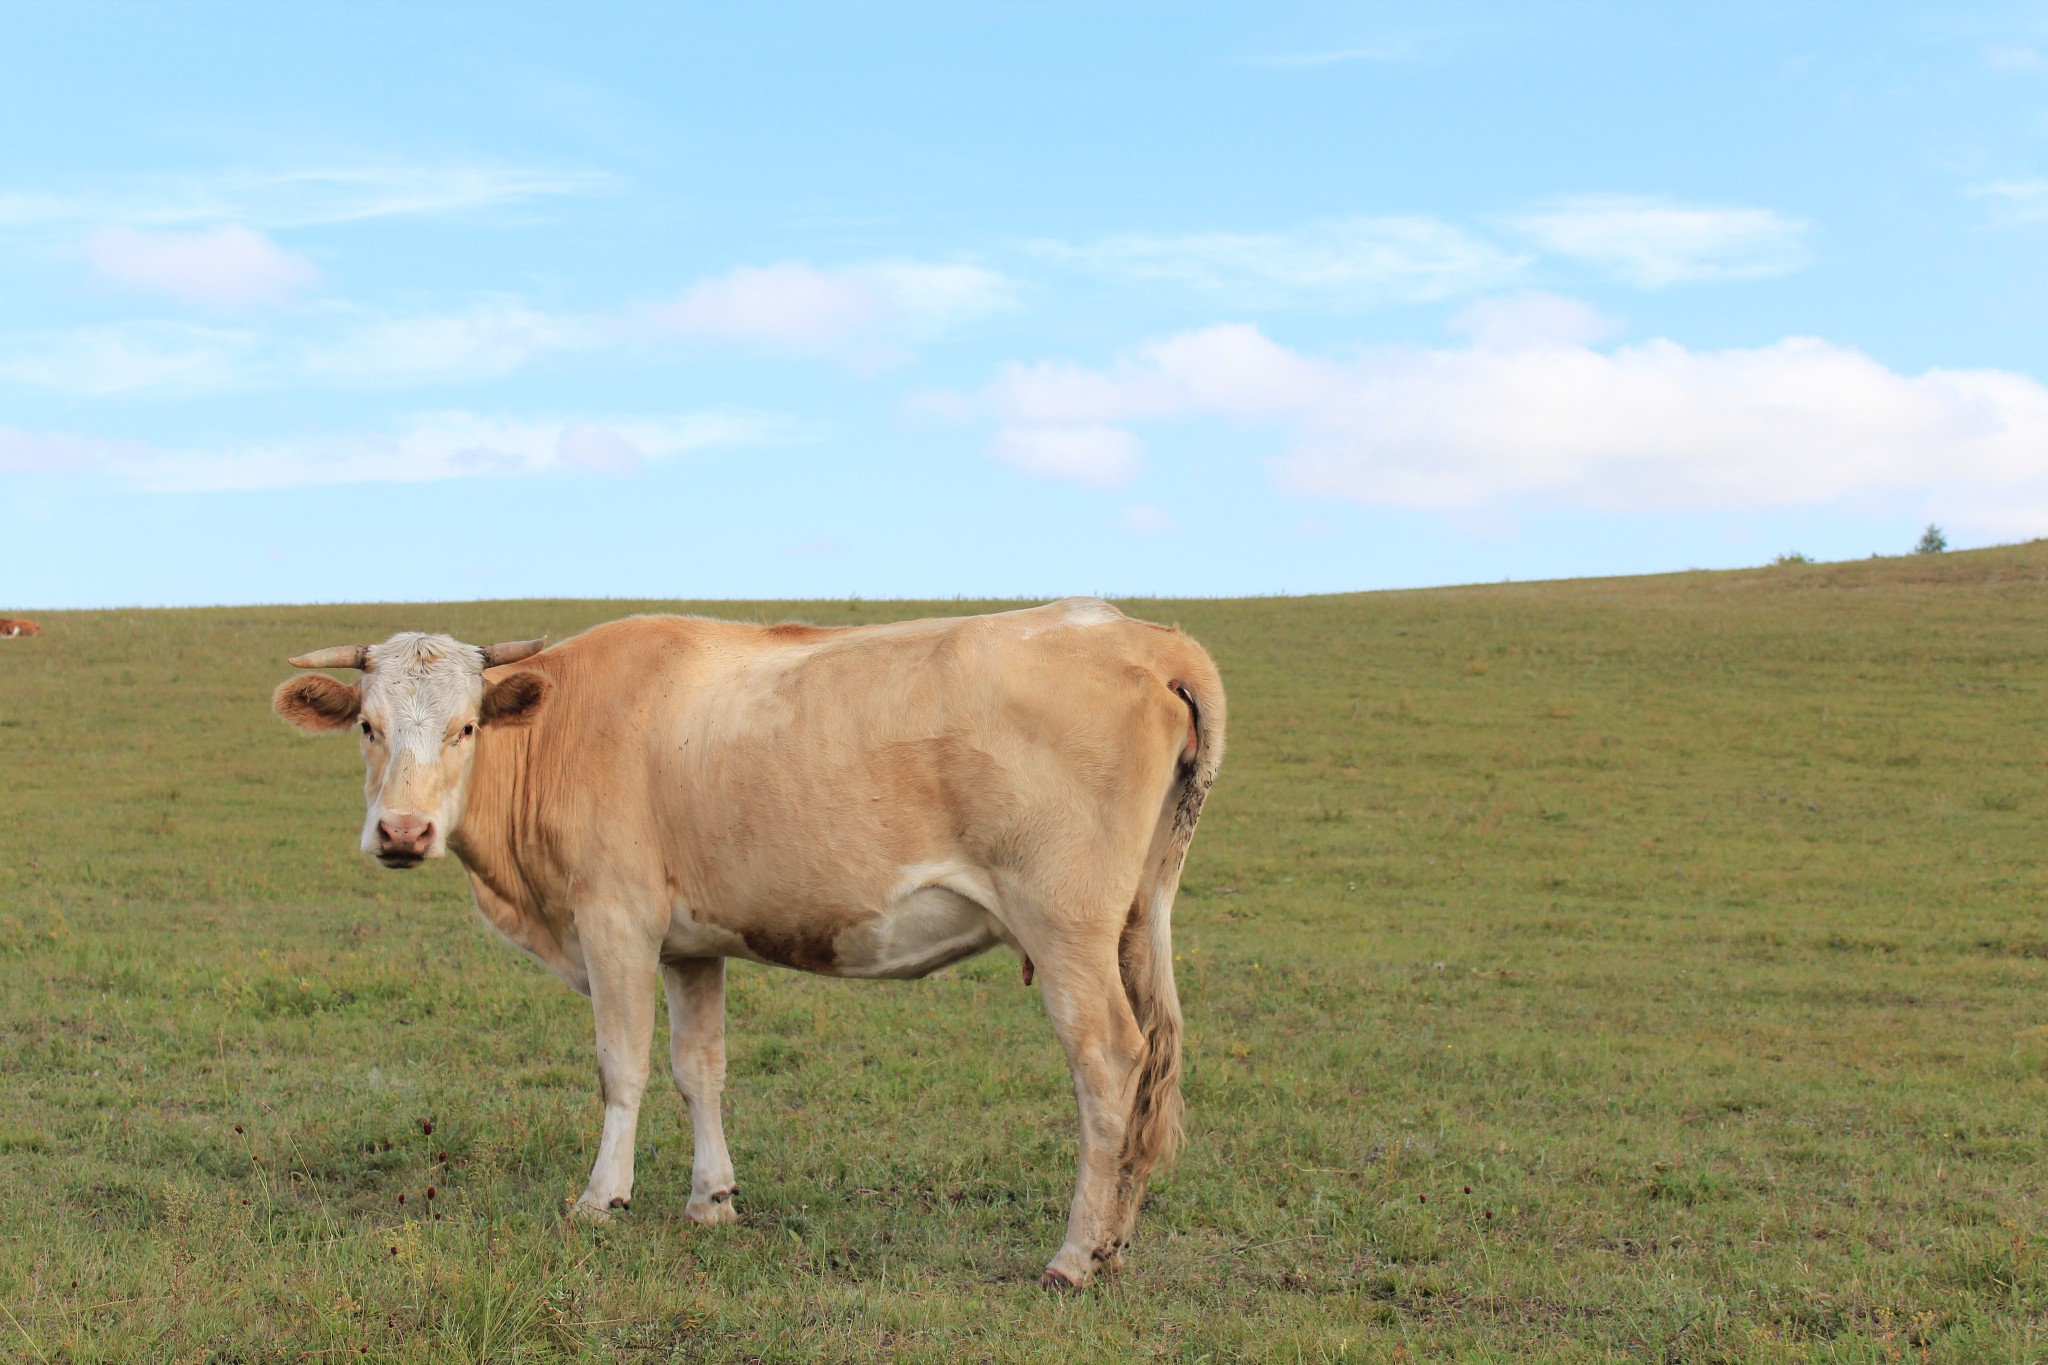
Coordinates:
336 656
512 651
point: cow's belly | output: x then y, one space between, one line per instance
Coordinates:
934 915
915 935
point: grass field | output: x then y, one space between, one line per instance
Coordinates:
1647 969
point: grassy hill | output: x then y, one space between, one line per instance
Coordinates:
1642 968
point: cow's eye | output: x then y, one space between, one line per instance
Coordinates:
469 730
366 728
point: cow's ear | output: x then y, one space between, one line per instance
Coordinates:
514 700
316 703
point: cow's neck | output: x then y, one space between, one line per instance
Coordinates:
485 838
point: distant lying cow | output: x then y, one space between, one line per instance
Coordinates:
661 793
13 628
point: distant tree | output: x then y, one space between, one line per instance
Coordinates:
1793 557
1932 541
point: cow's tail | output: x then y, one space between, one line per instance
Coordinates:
1153 1132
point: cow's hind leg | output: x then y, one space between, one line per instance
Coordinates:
696 1025
622 965
1084 994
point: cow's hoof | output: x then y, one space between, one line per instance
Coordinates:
588 1211
713 1209
1057 1279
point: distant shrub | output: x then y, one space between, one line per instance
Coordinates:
1793 557
1932 541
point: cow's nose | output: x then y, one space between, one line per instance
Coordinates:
406 835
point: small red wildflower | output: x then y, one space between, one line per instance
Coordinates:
1422 1199
1468 1189
401 1199
430 1191
427 1127
238 1127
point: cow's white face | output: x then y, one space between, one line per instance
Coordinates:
416 711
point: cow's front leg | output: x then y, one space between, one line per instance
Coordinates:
696 1030
622 964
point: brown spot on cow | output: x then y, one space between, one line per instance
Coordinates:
793 632
805 948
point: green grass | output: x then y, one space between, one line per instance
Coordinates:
1694 923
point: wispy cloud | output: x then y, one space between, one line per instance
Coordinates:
2014 57
431 447
302 197
1534 318
1392 50
867 316
1652 242
2014 202
1094 455
864 313
1351 260
150 358
491 338
225 267
1145 519
1654 426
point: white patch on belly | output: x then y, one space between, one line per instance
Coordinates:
935 917
688 936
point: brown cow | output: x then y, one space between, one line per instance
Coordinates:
661 793
13 628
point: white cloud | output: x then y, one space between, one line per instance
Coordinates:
1650 427
224 267
434 446
127 357
1513 321
1346 260
1095 456
865 313
1653 242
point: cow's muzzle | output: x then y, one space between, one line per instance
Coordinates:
404 840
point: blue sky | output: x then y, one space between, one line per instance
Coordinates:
421 302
